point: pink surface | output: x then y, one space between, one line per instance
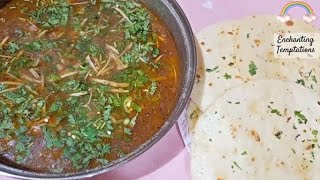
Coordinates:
168 159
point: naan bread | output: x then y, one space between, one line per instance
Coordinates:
215 58
254 43
265 129
227 49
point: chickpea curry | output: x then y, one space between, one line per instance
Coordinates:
82 82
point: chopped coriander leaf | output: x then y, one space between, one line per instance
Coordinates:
244 153
53 77
21 62
107 113
55 106
209 70
106 4
41 45
127 131
23 148
140 53
252 68
212 70
13 48
76 24
139 29
275 111
136 107
153 88
237 165
48 58
227 76
51 140
136 77
57 14
301 81
315 132
103 161
19 159
17 97
71 119
85 46
301 118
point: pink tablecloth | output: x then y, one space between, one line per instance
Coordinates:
168 159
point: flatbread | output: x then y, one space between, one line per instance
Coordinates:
254 43
264 129
215 53
226 50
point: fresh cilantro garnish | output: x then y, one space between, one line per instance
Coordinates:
55 106
153 88
141 52
237 165
57 14
301 118
106 4
51 139
315 132
127 131
227 76
48 58
212 70
136 107
85 46
13 48
252 68
136 77
301 81
274 111
41 45
139 29
107 113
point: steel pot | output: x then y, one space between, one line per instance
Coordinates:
171 13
